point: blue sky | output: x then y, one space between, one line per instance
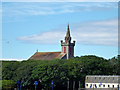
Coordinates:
29 26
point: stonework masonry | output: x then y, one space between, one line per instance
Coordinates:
67 50
68 47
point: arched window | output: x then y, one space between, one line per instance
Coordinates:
64 49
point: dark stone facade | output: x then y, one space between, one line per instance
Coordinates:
67 50
67 46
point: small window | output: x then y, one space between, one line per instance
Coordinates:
91 85
95 86
118 86
113 78
113 86
87 78
103 85
99 85
86 84
108 85
103 78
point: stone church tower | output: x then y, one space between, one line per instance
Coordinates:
67 46
66 53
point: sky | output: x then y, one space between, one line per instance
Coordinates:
28 26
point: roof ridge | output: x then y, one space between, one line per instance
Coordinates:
46 55
47 52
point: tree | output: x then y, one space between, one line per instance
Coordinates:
59 71
8 84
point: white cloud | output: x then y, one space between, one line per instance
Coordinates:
94 32
11 59
46 37
12 9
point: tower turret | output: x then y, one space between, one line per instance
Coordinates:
67 46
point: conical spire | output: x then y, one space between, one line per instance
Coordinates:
67 37
68 31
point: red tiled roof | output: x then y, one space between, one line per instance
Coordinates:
46 56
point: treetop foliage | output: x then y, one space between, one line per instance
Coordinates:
58 71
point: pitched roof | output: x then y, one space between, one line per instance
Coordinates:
47 56
103 79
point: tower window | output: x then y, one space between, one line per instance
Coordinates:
70 50
64 49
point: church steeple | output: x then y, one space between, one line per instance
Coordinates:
68 31
68 37
68 46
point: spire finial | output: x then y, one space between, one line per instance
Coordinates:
67 37
68 24
68 31
68 27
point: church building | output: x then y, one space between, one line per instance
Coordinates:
67 50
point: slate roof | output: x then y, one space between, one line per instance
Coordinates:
102 79
47 56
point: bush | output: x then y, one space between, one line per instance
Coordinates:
8 84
